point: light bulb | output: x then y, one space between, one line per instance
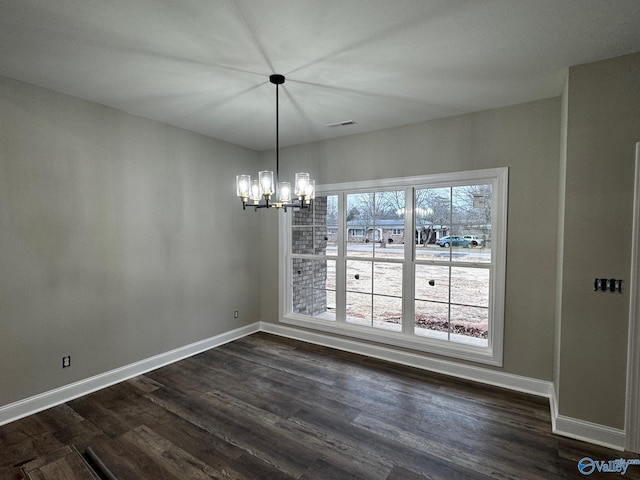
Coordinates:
243 183
284 192
310 189
266 182
302 180
255 191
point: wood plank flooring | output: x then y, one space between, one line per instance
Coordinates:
266 407
64 463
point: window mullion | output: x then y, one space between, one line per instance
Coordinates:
451 232
374 254
408 270
341 264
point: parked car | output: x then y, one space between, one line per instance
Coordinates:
453 241
474 240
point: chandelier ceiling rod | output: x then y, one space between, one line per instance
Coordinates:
277 80
258 193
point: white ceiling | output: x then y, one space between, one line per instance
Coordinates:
204 65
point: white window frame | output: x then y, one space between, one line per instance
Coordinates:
492 354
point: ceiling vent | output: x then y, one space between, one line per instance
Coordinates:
344 123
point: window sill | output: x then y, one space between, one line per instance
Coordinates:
472 353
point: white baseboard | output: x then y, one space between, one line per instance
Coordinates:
37 403
468 372
561 425
566 426
590 432
585 431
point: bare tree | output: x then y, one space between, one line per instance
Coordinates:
332 210
472 208
432 212
367 209
361 210
390 204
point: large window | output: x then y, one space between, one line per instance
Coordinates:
414 262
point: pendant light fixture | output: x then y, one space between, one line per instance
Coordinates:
267 191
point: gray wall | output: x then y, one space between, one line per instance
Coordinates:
120 238
603 125
114 230
525 138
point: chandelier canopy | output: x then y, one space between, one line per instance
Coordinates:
267 191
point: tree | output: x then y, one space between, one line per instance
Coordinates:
352 214
472 207
432 212
366 210
332 210
361 210
390 205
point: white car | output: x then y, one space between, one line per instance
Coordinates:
474 240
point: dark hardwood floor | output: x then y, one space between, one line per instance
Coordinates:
266 407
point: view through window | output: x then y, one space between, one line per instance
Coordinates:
412 263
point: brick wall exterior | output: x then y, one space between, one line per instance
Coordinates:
309 236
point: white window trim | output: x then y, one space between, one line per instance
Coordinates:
490 355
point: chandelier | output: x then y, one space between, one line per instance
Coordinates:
267 191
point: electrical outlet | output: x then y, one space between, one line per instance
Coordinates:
66 361
235 314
